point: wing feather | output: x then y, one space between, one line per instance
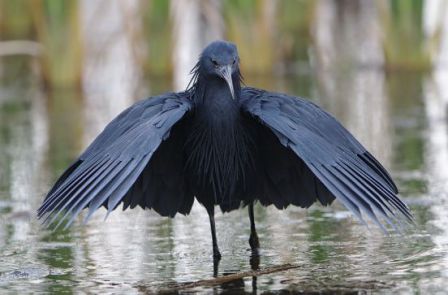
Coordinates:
334 157
54 200
112 164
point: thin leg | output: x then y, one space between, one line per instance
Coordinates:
216 267
211 215
253 240
255 257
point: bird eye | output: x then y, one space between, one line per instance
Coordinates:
215 63
234 61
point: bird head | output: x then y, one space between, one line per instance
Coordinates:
220 59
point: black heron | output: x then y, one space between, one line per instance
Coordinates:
224 145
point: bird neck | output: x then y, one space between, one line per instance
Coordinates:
210 91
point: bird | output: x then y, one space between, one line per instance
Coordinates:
224 144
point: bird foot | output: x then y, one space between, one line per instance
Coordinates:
253 242
254 260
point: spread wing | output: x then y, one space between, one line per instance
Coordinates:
110 170
324 159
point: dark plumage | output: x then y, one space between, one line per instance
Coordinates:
228 146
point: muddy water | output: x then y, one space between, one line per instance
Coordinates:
400 117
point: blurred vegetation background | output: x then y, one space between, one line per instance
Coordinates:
272 36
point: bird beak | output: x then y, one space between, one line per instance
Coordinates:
226 74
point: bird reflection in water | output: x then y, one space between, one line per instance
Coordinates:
237 285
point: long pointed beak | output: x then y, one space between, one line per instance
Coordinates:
226 73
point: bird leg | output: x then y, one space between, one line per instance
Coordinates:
215 267
253 240
211 216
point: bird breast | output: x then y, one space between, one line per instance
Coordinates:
218 155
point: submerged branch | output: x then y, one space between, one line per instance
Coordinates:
219 280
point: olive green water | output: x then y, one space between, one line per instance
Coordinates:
399 117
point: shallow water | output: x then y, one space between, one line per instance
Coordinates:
401 118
